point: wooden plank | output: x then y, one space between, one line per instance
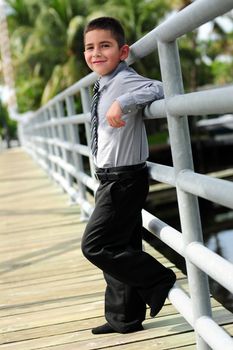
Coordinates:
85 340
88 320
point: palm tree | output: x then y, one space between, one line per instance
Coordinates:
46 38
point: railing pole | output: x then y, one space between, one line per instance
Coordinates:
86 105
182 158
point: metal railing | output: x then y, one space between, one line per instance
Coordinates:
54 137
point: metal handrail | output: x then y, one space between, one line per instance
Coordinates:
51 136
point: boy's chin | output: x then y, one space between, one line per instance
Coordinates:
103 70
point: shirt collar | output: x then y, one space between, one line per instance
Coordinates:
106 78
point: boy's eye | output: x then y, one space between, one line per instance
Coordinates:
105 45
101 46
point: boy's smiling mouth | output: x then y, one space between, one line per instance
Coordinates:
96 62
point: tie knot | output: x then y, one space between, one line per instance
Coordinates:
96 86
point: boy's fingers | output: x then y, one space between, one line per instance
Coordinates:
116 122
114 115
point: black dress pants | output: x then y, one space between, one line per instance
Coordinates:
113 242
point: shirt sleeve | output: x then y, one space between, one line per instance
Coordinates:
140 92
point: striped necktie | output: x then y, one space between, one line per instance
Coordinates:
94 118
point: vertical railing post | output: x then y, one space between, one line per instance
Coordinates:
47 144
52 168
44 134
62 137
36 138
56 151
33 139
41 140
77 158
182 159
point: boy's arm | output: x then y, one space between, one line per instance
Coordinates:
140 97
140 92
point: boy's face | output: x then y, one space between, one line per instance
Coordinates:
102 52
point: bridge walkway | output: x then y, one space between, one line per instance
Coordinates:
50 295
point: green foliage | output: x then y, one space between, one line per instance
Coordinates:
222 72
158 138
220 52
47 44
8 127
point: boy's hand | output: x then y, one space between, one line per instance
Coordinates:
114 115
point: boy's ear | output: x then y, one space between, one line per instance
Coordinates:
124 52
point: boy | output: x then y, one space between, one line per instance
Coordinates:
113 236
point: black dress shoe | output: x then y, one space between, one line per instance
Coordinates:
161 292
106 328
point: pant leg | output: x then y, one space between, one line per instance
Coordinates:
124 307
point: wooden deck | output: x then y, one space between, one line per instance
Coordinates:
50 296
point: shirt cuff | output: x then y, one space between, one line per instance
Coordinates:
127 103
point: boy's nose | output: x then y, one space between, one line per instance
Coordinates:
96 53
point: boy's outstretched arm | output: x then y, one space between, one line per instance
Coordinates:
138 92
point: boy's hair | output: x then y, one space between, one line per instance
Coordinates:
108 23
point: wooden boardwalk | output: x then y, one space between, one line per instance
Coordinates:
50 296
